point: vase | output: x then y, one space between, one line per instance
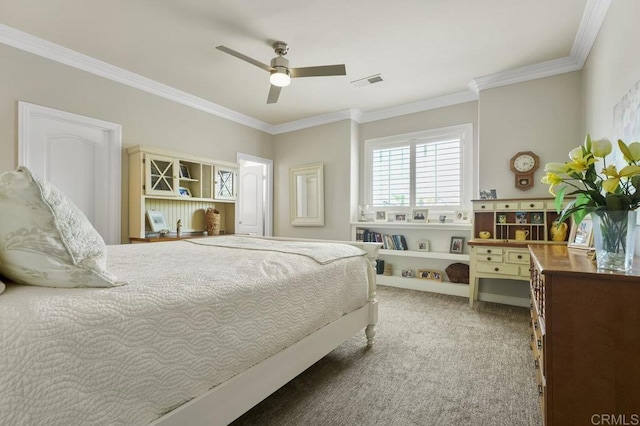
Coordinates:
614 233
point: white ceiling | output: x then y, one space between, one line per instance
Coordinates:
423 48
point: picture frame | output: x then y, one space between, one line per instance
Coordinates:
407 273
457 245
184 192
521 217
419 215
424 274
461 216
537 218
157 220
581 235
423 245
436 275
488 194
502 218
380 216
184 171
400 216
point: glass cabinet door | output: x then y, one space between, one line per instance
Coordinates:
226 183
161 175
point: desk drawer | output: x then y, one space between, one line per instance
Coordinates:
518 257
532 205
498 268
508 205
489 250
495 258
483 207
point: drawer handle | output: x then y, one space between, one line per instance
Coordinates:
536 363
539 344
519 256
539 390
496 269
506 206
483 206
489 251
531 205
488 258
535 325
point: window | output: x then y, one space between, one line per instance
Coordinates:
430 169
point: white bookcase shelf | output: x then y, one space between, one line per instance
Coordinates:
444 287
426 254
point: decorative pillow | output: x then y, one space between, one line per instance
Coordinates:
45 240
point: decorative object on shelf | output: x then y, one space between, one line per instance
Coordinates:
179 228
388 270
399 217
163 233
436 275
364 215
419 215
457 245
407 273
488 194
485 235
379 266
502 218
380 216
184 171
521 217
184 192
212 221
521 234
424 274
442 218
458 273
461 216
423 245
537 218
558 231
157 221
523 165
581 235
608 194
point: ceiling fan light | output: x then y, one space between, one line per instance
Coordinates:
280 78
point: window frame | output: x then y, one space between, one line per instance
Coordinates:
463 131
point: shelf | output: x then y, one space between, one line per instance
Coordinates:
414 225
176 197
425 255
188 179
442 287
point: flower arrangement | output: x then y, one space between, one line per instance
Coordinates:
609 189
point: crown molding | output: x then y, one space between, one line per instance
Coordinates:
46 49
592 20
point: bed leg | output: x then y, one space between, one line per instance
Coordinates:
370 331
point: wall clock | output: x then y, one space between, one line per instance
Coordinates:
524 164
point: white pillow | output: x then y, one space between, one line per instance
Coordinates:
45 240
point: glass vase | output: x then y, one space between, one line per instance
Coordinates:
614 233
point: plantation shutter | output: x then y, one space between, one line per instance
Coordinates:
438 173
391 178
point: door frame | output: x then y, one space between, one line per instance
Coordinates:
268 196
27 112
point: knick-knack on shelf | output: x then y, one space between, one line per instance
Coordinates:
179 228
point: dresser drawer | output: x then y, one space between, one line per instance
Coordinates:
489 250
498 268
495 258
531 205
508 205
483 207
522 257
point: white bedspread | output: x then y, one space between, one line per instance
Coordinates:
191 317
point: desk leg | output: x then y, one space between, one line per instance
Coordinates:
473 289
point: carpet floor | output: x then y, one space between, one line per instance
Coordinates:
435 362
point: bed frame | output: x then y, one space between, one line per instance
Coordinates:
229 400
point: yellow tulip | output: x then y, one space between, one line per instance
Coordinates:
580 161
601 148
556 168
553 180
630 152
611 184
634 148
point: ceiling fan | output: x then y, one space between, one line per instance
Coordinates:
281 74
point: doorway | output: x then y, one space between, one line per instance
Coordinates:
254 207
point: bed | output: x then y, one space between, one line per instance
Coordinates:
172 333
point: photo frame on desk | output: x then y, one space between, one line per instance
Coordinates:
157 220
581 235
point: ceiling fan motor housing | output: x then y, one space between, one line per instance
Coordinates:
280 47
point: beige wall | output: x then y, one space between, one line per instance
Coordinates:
541 115
146 119
331 144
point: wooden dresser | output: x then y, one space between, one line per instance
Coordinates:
585 338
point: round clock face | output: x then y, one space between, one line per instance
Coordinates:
524 163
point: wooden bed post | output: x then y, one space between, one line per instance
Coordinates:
372 254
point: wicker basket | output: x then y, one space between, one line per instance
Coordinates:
212 221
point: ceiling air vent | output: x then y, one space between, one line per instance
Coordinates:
372 79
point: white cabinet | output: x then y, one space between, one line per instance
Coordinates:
437 258
183 187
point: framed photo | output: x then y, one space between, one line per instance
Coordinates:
423 245
407 273
436 275
419 215
461 216
380 216
521 217
457 245
442 218
184 171
424 274
581 235
157 221
502 218
184 192
488 194
400 216
537 217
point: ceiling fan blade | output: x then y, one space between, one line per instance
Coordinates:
245 58
323 70
274 93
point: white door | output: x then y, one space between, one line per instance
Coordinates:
79 155
250 200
